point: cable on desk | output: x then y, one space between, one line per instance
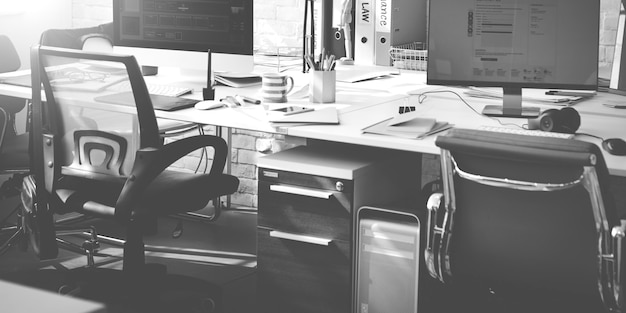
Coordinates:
590 135
422 96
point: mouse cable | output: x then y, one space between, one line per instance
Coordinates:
589 135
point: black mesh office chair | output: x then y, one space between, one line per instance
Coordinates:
108 161
14 158
100 39
525 224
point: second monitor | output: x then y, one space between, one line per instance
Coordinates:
179 33
514 44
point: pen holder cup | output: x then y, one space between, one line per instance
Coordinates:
322 86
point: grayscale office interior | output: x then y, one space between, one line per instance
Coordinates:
361 156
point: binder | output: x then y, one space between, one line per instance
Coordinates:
364 32
397 22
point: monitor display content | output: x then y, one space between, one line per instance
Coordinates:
221 26
514 44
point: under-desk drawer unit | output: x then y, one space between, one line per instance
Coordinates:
306 201
305 204
302 274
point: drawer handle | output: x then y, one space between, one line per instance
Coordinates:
300 238
301 191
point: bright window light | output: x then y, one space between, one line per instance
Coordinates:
11 7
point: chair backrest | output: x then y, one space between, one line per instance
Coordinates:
81 135
524 213
74 38
9 59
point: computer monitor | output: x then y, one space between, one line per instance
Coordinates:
514 44
179 33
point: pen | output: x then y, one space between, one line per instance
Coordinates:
248 99
615 106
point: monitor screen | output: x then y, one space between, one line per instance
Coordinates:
514 44
221 26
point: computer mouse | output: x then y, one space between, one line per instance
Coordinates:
615 146
208 105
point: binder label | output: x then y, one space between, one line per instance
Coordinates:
383 20
365 12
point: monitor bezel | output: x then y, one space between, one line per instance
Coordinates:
485 83
246 49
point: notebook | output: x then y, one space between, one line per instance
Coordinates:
159 102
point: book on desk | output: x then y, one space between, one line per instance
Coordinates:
407 125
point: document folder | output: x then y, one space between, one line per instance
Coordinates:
364 32
397 22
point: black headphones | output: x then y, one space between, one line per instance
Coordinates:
565 120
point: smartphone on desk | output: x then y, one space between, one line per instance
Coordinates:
291 110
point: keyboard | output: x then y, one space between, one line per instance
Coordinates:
527 132
167 90
158 89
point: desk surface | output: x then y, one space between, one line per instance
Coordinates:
365 103
21 299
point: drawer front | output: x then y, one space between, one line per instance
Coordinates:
303 210
296 276
305 180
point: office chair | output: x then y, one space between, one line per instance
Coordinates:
107 161
525 224
100 39
14 158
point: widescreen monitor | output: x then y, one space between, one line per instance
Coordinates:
514 44
179 33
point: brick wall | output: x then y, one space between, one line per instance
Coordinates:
608 31
278 24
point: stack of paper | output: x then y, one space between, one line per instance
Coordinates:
408 125
237 80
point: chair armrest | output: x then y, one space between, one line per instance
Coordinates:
434 235
4 121
150 162
618 233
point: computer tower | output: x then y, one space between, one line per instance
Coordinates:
387 261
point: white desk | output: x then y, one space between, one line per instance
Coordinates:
596 119
365 103
21 299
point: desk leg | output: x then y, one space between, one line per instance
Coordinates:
217 203
219 130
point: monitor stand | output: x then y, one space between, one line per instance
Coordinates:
511 106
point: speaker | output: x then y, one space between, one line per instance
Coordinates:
565 120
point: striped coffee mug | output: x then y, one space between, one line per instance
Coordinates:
275 87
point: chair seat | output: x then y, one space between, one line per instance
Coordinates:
161 197
14 156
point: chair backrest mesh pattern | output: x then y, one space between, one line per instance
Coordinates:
74 81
